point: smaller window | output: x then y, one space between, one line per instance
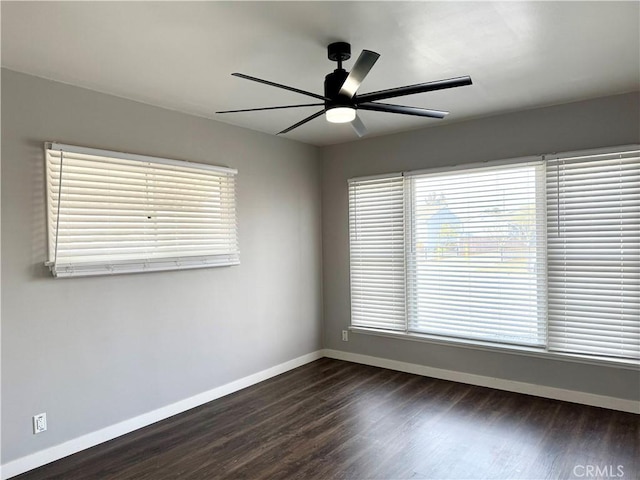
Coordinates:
111 212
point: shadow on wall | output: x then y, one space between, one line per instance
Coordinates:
39 239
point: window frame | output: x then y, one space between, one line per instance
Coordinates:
476 344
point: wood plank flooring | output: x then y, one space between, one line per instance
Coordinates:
339 420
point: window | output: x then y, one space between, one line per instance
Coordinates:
376 221
543 255
476 254
111 212
594 254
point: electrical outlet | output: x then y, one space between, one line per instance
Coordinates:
345 335
39 423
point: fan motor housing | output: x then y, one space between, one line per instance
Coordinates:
332 85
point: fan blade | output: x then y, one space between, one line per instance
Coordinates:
359 127
411 89
360 69
302 122
273 84
386 107
272 108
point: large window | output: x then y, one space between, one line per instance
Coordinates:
541 254
110 212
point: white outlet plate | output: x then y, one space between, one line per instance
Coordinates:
345 335
39 423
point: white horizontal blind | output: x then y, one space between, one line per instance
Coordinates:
376 234
116 213
594 254
476 255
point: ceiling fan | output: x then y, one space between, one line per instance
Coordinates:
340 99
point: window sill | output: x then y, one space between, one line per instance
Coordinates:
502 348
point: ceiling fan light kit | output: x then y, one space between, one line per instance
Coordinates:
340 99
340 114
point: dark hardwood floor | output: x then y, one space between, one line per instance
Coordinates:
338 420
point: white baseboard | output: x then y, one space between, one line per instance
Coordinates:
584 398
48 455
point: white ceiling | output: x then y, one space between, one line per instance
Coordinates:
180 55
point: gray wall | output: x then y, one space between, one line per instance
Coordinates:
95 351
589 124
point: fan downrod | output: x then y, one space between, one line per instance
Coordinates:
337 52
